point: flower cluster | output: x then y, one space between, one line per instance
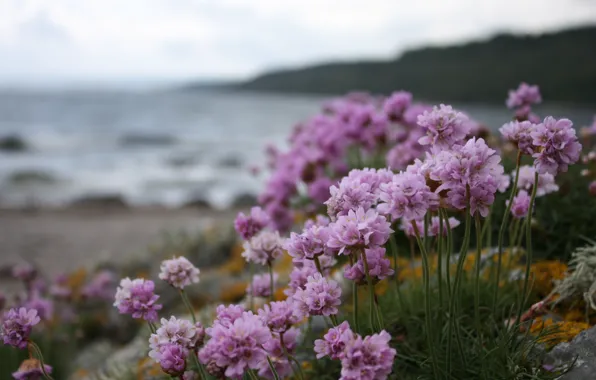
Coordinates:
279 316
137 298
17 326
522 99
30 369
443 127
171 358
179 272
261 285
320 296
552 143
263 248
249 226
276 353
367 358
407 196
236 346
357 230
546 181
434 227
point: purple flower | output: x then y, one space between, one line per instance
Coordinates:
44 307
360 189
443 126
249 226
334 342
318 190
403 154
190 375
277 355
370 358
101 286
524 95
557 145
396 104
17 326
261 285
519 134
236 347
407 196
520 204
171 358
299 275
30 369
177 331
379 266
263 248
137 298
179 272
319 297
226 315
358 230
60 289
24 272
279 316
312 242
546 181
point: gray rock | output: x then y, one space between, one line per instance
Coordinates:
230 162
582 349
147 140
199 203
31 177
244 200
12 144
111 201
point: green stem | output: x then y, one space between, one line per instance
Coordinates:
477 275
40 358
373 305
188 305
333 319
252 374
271 296
252 294
456 282
272 367
449 251
427 301
152 327
318 265
354 300
529 252
202 373
291 357
502 232
440 260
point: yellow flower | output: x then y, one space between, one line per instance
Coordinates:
544 273
553 333
233 293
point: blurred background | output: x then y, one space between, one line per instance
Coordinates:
121 119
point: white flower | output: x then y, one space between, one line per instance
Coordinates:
179 272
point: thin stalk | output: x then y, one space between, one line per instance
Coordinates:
152 327
449 250
252 295
502 232
371 289
426 227
477 275
40 358
291 357
427 301
271 283
188 305
202 373
440 260
456 282
252 374
354 300
318 265
272 368
529 252
333 319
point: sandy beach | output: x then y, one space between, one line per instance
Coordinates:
67 239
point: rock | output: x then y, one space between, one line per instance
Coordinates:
12 144
110 201
230 162
244 200
582 347
31 177
199 203
147 140
182 161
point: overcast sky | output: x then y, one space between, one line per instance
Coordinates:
53 41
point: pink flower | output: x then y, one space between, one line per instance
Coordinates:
524 95
261 285
443 126
334 342
379 266
137 297
358 230
406 196
263 248
370 358
319 297
249 226
520 204
557 144
17 326
179 272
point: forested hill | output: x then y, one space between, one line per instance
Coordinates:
562 63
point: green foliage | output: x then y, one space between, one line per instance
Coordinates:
477 71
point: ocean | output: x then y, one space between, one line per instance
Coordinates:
163 148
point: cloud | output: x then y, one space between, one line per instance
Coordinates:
58 40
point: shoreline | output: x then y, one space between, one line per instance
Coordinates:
65 239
